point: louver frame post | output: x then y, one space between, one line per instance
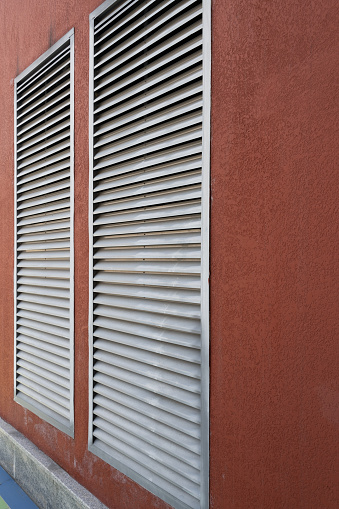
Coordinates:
65 44
205 218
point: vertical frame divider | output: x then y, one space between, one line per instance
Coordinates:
90 227
205 247
72 205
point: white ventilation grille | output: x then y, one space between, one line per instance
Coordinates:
44 236
146 364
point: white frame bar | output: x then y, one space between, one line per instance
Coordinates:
90 226
205 252
69 36
205 262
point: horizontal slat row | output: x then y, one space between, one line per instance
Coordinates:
43 249
147 165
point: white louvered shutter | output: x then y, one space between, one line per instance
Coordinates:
146 278
44 233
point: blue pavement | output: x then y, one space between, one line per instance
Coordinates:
11 495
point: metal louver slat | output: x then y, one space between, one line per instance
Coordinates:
175 295
62 183
50 370
154 15
41 210
45 144
141 462
54 122
45 68
52 323
50 286
31 258
123 73
43 222
125 51
151 146
188 352
55 308
54 169
44 320
137 123
33 139
159 430
108 86
44 249
46 234
37 206
150 408
132 211
162 409
148 317
28 369
34 185
105 240
149 268
181 395
41 400
121 192
33 346
52 90
46 384
131 354
149 253
152 87
174 336
39 122
148 161
126 23
182 125
144 441
116 15
61 152
36 113
155 280
36 362
53 148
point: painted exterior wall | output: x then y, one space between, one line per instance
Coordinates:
274 252
274 255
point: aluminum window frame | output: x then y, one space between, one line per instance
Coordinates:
205 260
69 430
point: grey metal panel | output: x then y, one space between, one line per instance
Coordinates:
149 201
44 236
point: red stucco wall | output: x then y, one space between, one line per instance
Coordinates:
275 255
274 252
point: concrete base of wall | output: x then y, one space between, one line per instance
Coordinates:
47 484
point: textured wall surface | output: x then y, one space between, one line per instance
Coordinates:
274 252
274 255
